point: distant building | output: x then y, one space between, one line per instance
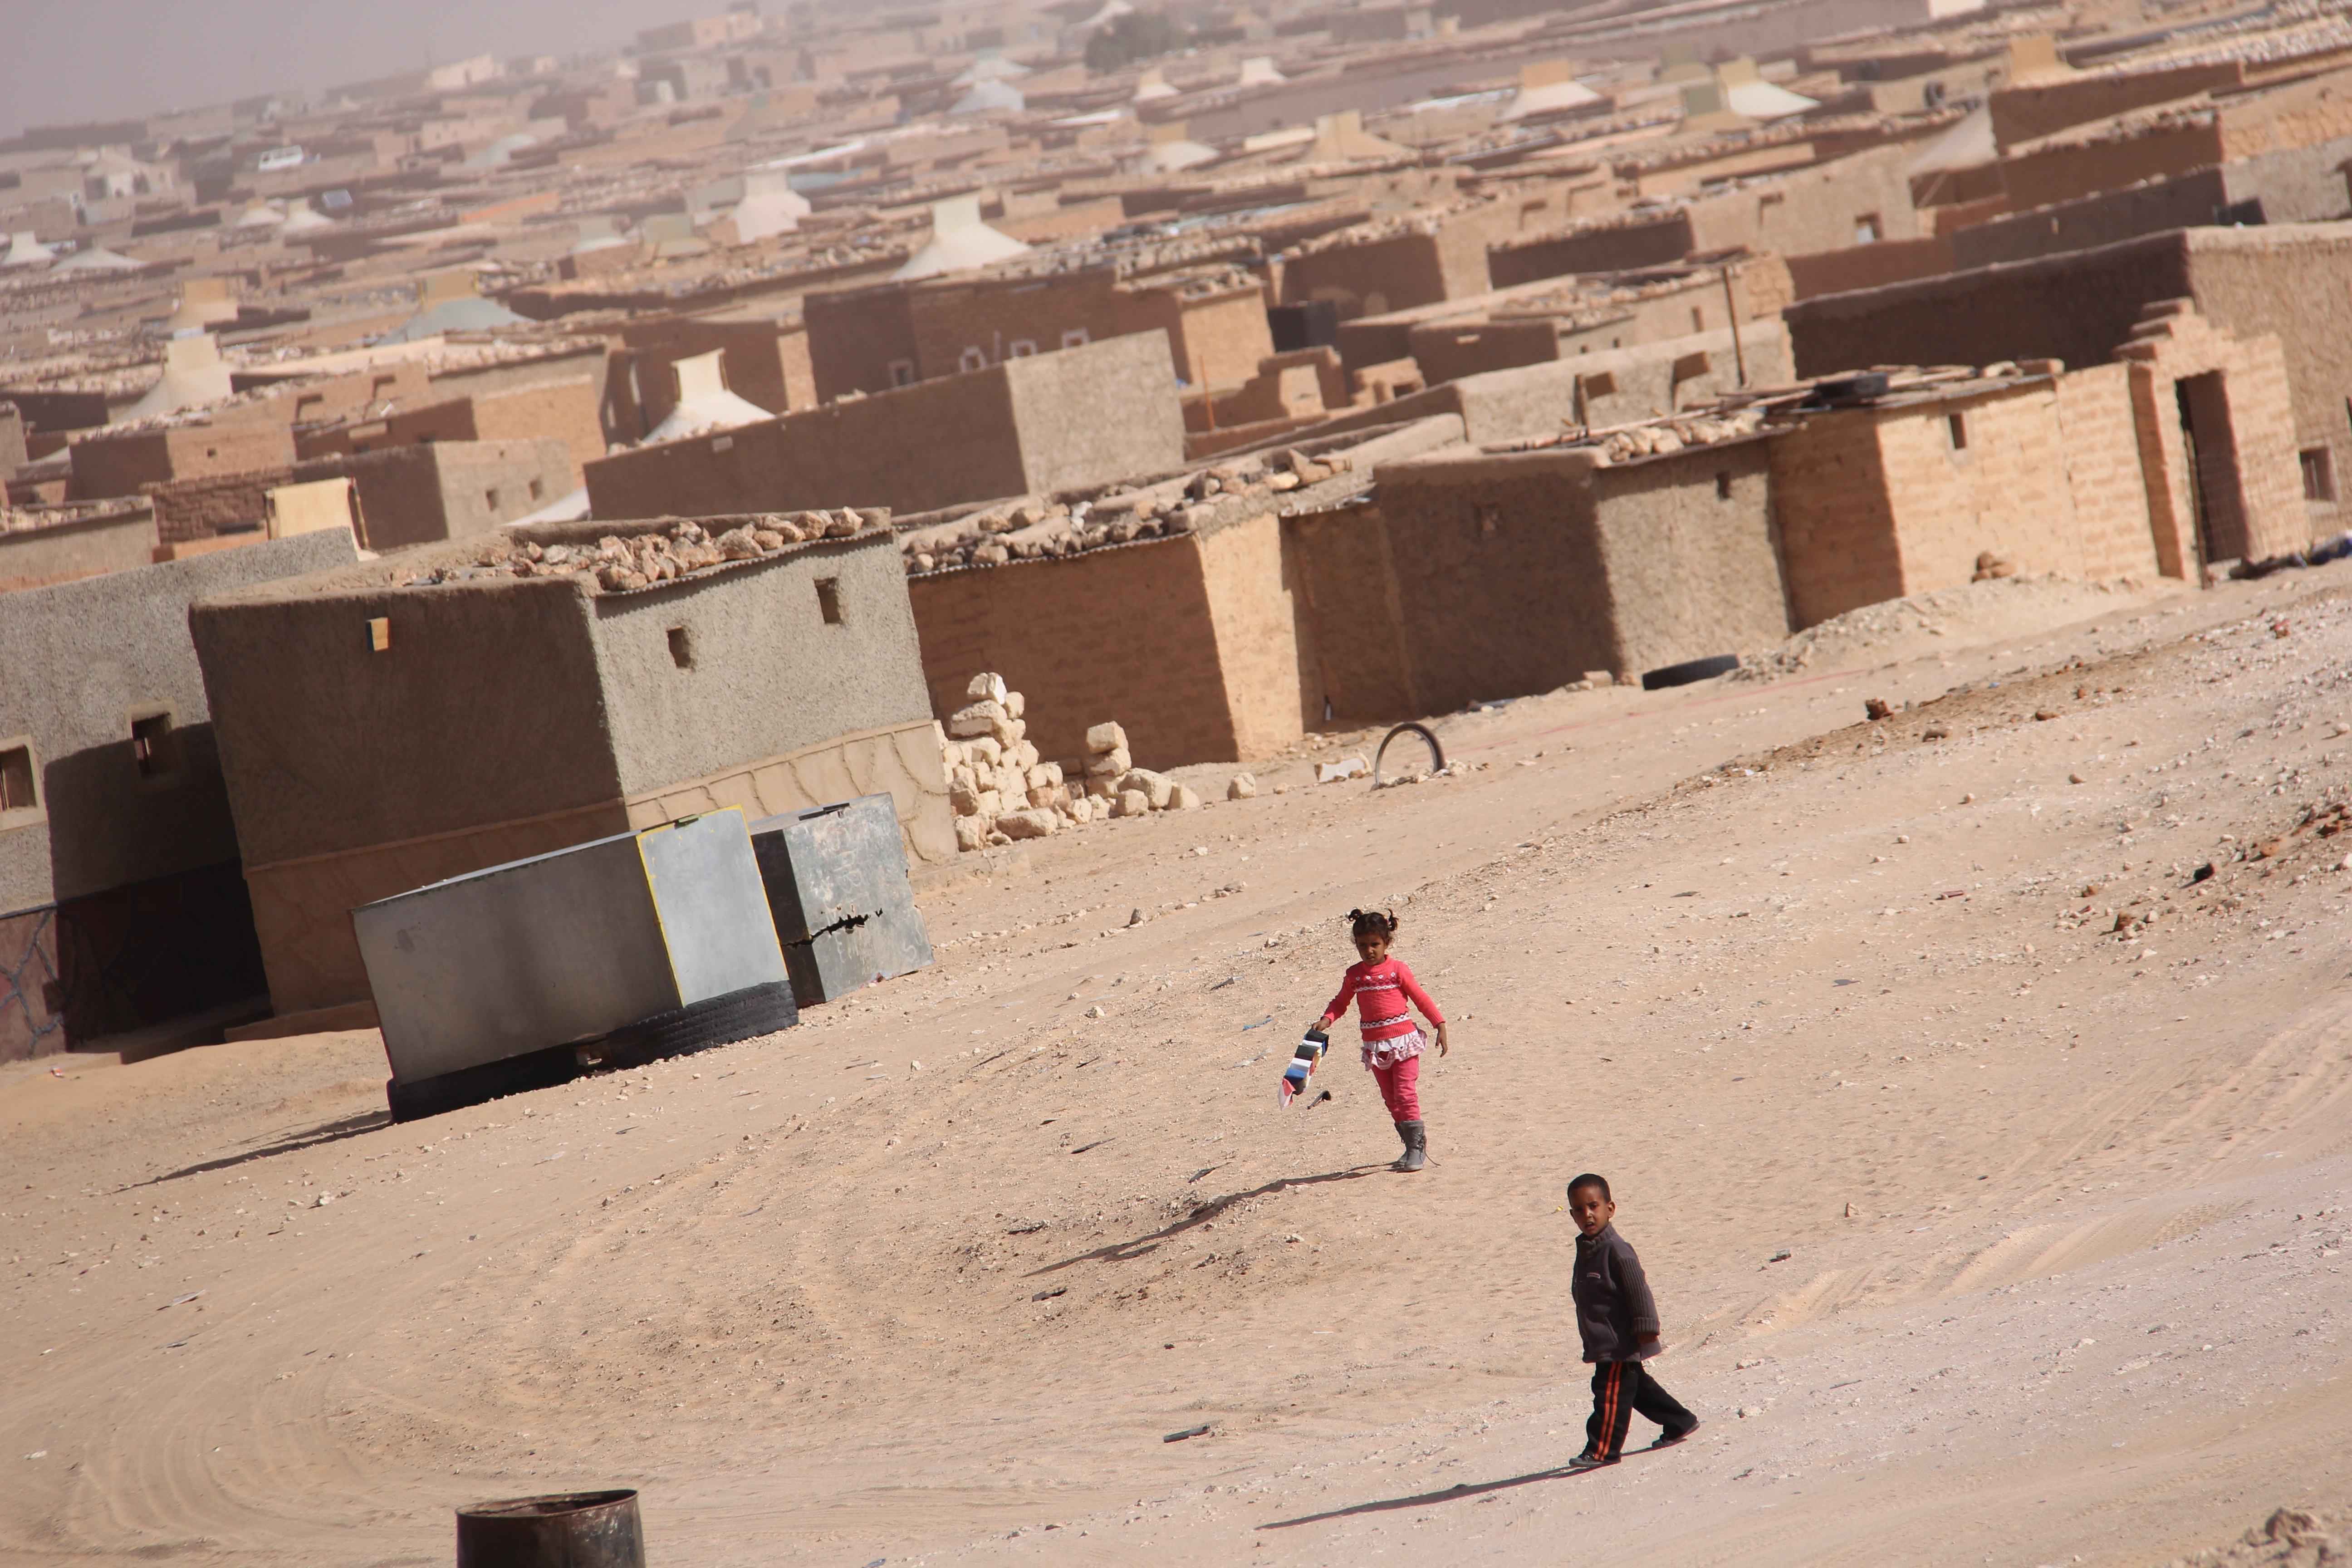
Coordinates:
121 903
1088 413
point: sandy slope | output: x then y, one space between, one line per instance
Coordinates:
2064 1214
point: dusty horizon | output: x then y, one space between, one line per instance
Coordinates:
158 57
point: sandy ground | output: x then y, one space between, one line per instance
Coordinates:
1984 1233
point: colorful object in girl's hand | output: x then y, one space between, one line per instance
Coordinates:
1303 1063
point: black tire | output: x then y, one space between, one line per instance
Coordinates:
1688 673
478 1085
719 1021
1436 751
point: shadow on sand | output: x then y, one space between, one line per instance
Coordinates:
1202 1212
1454 1493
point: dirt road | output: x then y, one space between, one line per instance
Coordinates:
1985 1231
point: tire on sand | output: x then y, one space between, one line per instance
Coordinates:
1689 672
721 1021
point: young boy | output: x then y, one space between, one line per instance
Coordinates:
1619 1323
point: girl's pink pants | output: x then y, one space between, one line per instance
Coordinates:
1398 1091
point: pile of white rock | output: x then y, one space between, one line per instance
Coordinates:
1003 791
1120 788
999 788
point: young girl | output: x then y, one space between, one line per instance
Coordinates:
1392 1046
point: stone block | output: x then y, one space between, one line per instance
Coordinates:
988 803
1243 787
1156 787
1032 824
1044 775
1102 786
972 833
1110 764
984 749
960 776
1106 737
1025 753
976 719
1015 705
1007 731
987 687
1133 803
964 797
1181 797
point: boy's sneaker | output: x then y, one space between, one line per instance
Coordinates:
1588 1460
1669 1437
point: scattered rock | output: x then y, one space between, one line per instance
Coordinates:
1875 709
1243 787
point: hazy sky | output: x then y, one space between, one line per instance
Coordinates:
67 60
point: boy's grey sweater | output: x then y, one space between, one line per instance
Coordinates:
1613 1307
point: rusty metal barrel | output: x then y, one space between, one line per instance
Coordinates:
565 1529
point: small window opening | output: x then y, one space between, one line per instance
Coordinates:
2318 474
490 498
154 747
902 373
1722 485
536 489
1076 338
1604 384
681 648
972 359
1698 319
1867 230
828 600
17 792
1022 348
1958 425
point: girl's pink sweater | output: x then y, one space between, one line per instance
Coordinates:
1382 991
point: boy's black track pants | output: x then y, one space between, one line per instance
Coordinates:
1619 1389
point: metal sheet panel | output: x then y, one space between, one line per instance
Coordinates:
515 958
836 885
707 893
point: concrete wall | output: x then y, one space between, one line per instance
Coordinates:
757 636
1487 574
447 489
37 553
1082 416
77 662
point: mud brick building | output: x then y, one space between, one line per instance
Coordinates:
42 545
1901 495
1481 574
108 464
121 906
1857 200
2284 282
1606 386
408 494
767 364
895 334
1233 673
1093 413
379 730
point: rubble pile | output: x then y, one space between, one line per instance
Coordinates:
1002 790
1036 528
1674 435
621 563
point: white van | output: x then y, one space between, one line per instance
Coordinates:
278 158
